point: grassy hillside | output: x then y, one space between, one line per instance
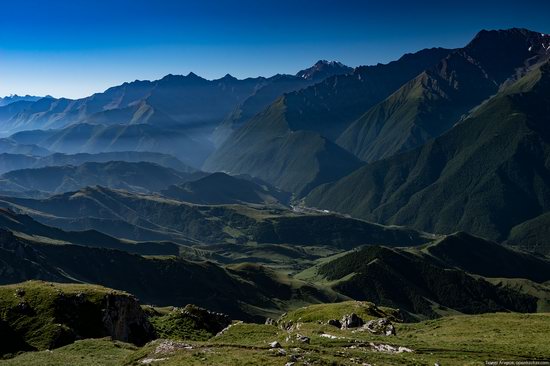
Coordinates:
452 274
138 217
434 101
45 315
244 291
532 234
25 227
293 161
456 340
485 176
488 259
340 232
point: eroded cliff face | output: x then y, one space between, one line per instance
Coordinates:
124 320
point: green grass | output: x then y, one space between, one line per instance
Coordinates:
453 340
35 310
324 312
88 352
189 323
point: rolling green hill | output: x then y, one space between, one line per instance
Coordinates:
489 259
401 279
245 291
104 210
25 227
453 340
532 234
44 316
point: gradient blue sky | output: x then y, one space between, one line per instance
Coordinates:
73 48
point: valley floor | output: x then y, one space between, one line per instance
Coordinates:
454 340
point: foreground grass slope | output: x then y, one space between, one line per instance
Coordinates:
454 340
37 315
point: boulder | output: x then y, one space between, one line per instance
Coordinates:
335 323
302 338
351 321
380 326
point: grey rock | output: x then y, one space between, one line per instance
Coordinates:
351 321
302 338
335 323
124 319
380 326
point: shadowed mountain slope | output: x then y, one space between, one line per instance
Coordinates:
220 188
162 281
435 280
485 176
9 162
275 87
300 126
128 215
136 177
435 100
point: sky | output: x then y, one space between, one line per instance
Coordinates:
73 48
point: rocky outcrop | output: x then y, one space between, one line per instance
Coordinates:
211 321
335 323
380 326
351 321
42 315
124 320
188 323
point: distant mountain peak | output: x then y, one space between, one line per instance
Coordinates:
323 69
228 77
17 98
491 39
182 79
329 63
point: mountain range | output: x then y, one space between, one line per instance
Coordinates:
486 175
17 98
300 128
177 114
422 185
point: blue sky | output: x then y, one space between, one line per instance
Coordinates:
73 48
